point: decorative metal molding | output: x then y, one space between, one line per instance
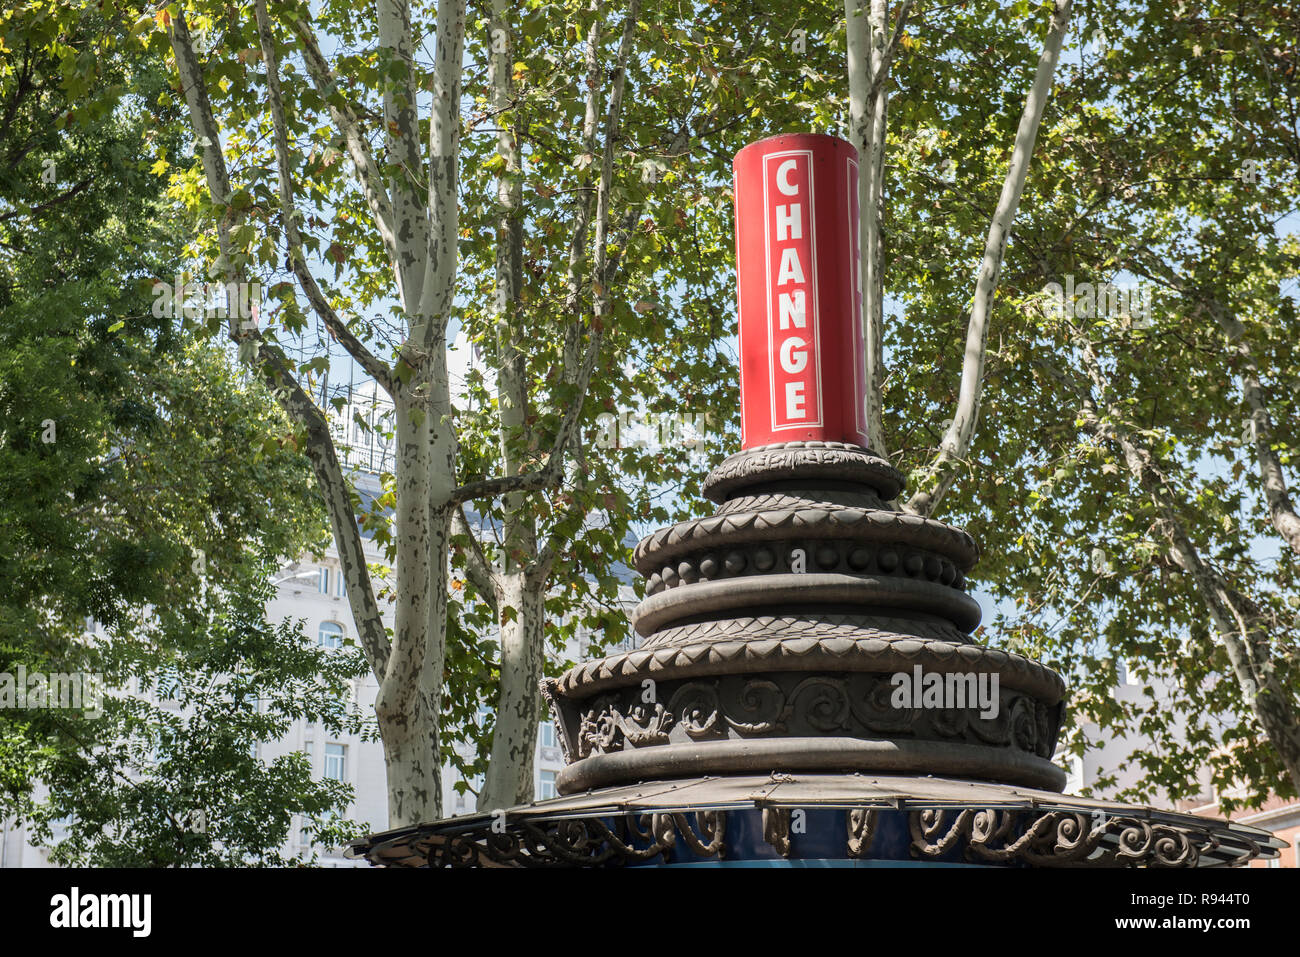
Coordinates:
776 829
997 837
841 642
550 693
855 705
825 461
815 591
763 500
872 632
610 725
820 754
844 556
813 519
581 842
1060 838
862 823
850 591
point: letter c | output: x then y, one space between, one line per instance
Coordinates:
782 182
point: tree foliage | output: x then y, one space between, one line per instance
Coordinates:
143 489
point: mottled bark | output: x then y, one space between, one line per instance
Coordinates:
521 583
509 778
402 691
413 202
408 666
412 762
1277 497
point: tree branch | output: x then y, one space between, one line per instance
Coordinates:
477 568
887 54
868 66
42 207
939 475
345 120
1234 618
582 215
550 475
373 366
1277 496
270 363
1259 424
444 148
402 137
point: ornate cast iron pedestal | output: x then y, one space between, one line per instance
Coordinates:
772 630
757 722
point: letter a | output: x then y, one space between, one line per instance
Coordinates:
791 270
59 916
902 695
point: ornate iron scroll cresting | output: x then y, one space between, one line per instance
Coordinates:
584 842
1058 838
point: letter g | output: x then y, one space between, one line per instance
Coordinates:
789 357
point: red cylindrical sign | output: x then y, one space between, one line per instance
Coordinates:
802 362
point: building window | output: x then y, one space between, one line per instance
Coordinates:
546 788
169 686
340 589
324 584
336 761
548 735
330 634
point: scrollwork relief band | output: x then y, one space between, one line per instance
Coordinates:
795 705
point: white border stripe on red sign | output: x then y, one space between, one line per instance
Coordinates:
851 172
771 310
